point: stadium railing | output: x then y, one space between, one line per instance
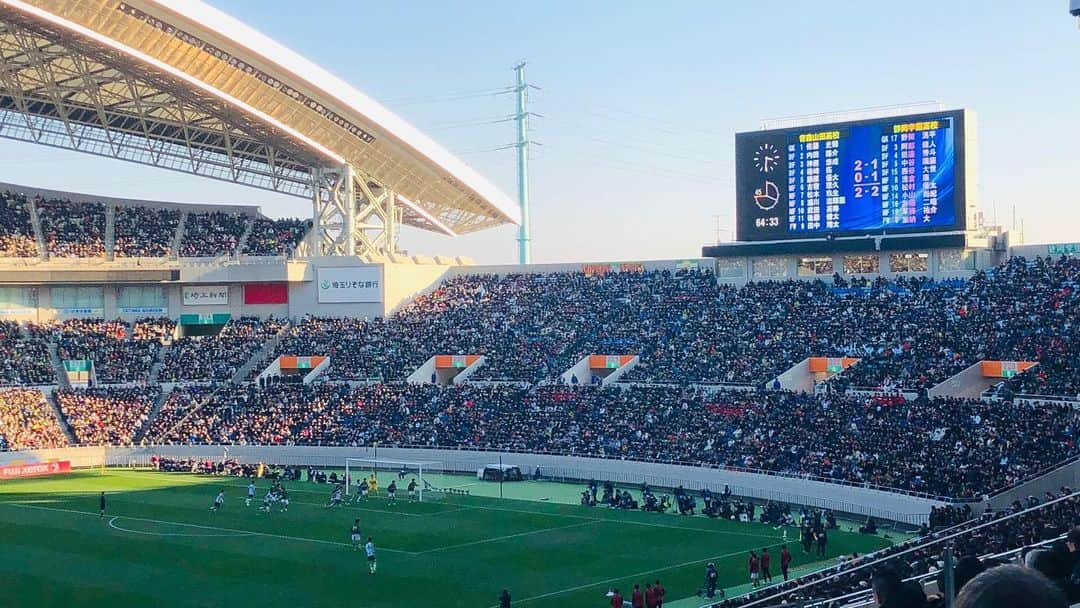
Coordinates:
934 539
1063 399
858 599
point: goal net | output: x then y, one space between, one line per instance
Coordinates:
402 472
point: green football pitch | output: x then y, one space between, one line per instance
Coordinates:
160 546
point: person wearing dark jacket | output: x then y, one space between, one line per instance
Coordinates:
504 599
890 591
1009 586
711 577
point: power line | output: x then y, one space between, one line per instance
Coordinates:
411 101
469 123
493 149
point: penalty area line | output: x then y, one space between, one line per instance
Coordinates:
246 533
114 526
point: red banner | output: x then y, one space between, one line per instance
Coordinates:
33 470
266 293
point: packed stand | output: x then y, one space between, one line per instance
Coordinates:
245 415
181 401
72 230
110 416
530 326
1020 310
17 238
837 438
24 357
117 357
908 333
145 231
354 354
275 237
158 329
212 234
27 421
217 357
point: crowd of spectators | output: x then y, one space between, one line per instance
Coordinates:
16 229
281 414
24 357
159 329
117 356
530 326
212 233
145 231
909 334
275 237
106 416
28 422
354 354
1022 310
219 356
834 437
72 230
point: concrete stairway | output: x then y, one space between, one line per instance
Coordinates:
178 236
160 401
50 396
159 362
58 367
259 358
110 232
39 236
241 245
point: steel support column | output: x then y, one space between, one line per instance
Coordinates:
353 215
377 218
333 210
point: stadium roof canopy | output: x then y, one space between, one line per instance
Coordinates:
180 85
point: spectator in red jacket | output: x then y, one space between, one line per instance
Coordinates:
616 599
755 569
785 561
660 593
637 599
766 559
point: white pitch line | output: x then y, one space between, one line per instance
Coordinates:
510 536
634 575
112 524
178 523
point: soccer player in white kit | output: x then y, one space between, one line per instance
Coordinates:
219 500
369 548
251 494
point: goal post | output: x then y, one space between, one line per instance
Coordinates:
421 471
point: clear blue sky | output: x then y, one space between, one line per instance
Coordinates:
641 101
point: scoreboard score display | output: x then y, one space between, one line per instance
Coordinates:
886 175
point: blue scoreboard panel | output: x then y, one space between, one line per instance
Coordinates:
887 175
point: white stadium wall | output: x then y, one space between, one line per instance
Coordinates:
848 499
404 279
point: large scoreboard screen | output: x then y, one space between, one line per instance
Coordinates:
886 175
